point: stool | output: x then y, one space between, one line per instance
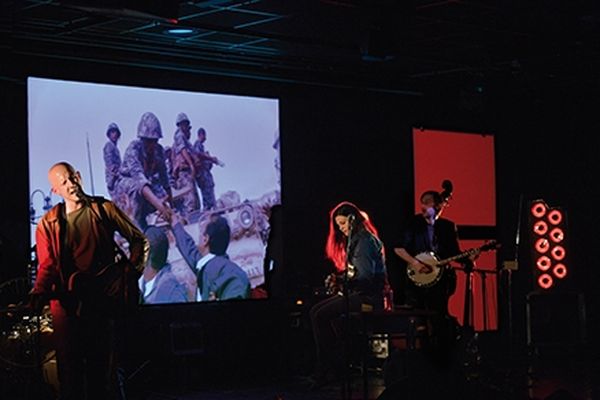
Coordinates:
402 325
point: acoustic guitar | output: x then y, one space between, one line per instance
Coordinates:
334 282
105 291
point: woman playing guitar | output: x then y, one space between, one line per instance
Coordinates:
358 255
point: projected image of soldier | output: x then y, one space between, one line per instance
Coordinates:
143 185
204 177
112 157
183 168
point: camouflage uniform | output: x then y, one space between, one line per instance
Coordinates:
112 160
141 169
204 177
182 173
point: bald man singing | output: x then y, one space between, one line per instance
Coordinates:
83 273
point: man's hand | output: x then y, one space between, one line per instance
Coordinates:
162 206
331 283
165 211
421 268
475 255
177 219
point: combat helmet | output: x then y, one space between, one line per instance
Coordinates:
113 127
149 127
180 118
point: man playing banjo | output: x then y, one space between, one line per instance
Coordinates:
429 287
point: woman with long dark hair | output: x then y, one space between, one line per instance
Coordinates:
354 247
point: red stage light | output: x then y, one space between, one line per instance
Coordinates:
538 209
547 237
555 217
545 281
540 227
542 245
543 263
560 271
557 235
558 253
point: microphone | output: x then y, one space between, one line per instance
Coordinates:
81 194
431 215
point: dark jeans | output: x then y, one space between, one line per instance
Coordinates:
328 328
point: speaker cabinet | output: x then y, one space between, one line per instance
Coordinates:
186 338
555 319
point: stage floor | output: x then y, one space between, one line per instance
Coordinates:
493 371
544 374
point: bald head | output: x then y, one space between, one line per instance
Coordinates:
65 181
60 166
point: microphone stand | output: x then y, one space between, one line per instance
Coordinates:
509 278
122 315
346 390
509 267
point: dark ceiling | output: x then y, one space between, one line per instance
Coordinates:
377 44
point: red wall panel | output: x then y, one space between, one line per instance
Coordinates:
467 160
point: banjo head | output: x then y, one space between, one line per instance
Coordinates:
425 279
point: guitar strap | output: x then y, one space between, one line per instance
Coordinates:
98 203
126 286
129 287
66 261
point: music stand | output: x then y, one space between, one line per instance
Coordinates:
469 335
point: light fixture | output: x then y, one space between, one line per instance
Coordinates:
540 227
560 271
558 253
538 209
543 263
180 31
548 231
545 281
555 217
557 235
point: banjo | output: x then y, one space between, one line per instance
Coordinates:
428 279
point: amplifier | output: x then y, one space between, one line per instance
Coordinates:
556 318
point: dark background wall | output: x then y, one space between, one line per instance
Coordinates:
355 144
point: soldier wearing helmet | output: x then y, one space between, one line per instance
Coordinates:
204 177
149 127
183 167
180 118
143 186
112 157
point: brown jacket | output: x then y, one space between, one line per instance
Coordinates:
52 275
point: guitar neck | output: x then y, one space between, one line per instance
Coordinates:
468 253
456 257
